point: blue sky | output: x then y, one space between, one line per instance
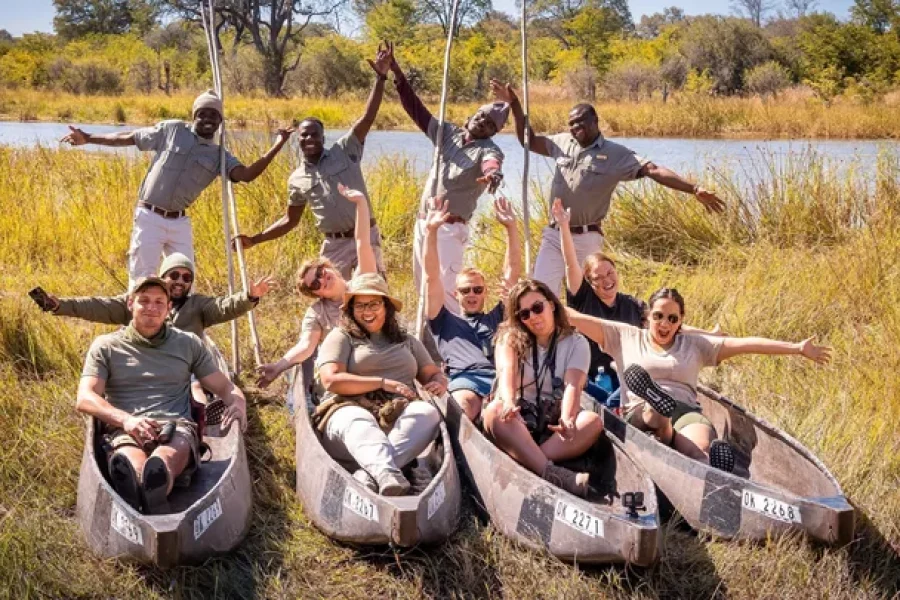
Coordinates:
24 16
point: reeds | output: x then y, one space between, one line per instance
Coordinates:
809 253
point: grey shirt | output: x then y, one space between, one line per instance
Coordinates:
316 185
571 352
460 168
183 166
323 315
149 381
585 178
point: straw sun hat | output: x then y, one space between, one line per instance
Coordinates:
370 284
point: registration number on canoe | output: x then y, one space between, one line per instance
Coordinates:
207 518
578 519
776 509
125 526
436 499
361 506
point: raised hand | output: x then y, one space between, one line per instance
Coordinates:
261 287
709 200
437 214
561 215
352 195
503 212
384 59
503 91
76 137
283 134
818 354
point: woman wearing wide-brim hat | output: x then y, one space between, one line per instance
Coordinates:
368 365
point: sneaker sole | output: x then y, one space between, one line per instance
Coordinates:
156 480
721 456
124 480
640 382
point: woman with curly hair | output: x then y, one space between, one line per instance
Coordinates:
369 414
661 366
542 362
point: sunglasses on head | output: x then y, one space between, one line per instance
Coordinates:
175 276
658 316
317 282
478 289
537 308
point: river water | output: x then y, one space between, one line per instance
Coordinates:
744 162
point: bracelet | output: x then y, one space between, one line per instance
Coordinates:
382 384
696 189
381 77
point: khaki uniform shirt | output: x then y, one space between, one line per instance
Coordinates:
585 178
183 166
323 315
676 370
317 185
147 381
460 168
196 314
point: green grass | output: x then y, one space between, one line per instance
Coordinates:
822 261
686 115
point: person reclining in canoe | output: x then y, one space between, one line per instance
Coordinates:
466 342
661 364
321 280
594 290
137 380
368 365
535 415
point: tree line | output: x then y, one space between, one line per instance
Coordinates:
590 47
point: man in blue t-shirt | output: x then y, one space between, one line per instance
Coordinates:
466 342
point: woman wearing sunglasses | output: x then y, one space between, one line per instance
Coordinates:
535 415
320 280
368 367
661 365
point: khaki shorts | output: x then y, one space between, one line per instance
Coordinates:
683 416
118 438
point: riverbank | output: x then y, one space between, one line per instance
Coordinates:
683 116
821 262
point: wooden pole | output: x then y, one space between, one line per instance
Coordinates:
526 141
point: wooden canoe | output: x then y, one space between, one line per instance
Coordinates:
345 510
528 509
210 517
777 486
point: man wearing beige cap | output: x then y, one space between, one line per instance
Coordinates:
185 162
470 163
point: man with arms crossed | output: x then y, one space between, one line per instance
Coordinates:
137 380
588 168
185 162
466 341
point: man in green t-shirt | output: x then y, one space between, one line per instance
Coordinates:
136 381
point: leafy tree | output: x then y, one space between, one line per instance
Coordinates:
5 36
77 18
799 8
878 15
651 25
766 79
392 20
552 16
724 48
467 12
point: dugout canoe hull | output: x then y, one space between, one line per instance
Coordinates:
778 485
210 517
529 510
346 511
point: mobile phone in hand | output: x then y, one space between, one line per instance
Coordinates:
41 298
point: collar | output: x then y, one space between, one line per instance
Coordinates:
324 155
597 142
200 139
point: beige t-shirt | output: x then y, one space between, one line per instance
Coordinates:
323 315
572 352
675 370
375 356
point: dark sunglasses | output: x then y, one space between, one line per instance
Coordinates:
536 308
478 289
317 283
658 316
175 276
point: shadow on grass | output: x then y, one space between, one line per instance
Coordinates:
240 573
873 560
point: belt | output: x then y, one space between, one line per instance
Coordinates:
581 228
451 219
346 234
166 214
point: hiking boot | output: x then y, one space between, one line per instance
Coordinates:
640 382
155 486
721 456
124 480
367 481
571 481
392 484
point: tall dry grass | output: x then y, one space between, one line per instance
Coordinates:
686 115
820 259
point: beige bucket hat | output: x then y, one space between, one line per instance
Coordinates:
370 284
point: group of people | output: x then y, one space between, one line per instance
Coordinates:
518 368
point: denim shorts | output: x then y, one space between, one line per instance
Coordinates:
478 381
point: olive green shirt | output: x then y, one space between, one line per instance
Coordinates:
184 164
585 178
149 381
196 314
316 185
